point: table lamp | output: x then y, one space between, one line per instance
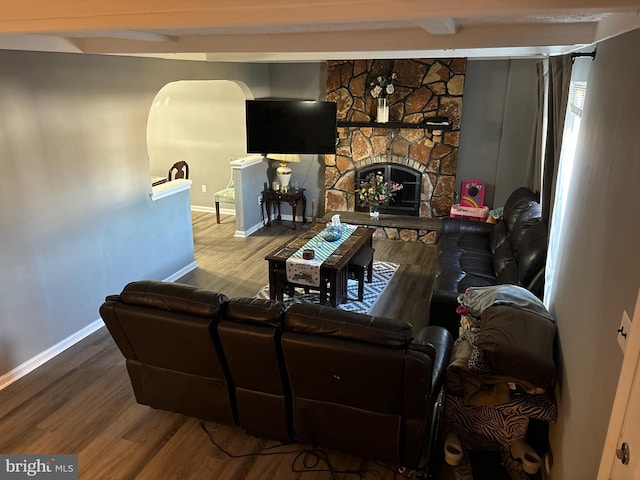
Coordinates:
283 171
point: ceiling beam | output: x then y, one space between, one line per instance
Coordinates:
18 16
366 40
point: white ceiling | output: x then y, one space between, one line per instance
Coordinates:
286 30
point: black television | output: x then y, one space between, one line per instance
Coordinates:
291 126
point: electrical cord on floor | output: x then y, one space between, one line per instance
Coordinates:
310 459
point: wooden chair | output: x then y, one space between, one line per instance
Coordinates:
178 170
228 195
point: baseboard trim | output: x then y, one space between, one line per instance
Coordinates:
201 208
223 211
249 231
46 355
53 351
180 273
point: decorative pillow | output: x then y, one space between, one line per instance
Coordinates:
519 344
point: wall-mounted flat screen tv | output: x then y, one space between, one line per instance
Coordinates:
291 126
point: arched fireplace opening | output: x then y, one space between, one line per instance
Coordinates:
407 200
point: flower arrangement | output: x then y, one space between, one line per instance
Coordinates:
374 190
383 86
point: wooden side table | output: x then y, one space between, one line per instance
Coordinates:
292 197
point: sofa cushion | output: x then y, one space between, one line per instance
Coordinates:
508 275
174 297
255 310
469 262
532 255
517 211
518 343
498 236
503 256
333 322
519 231
518 196
468 241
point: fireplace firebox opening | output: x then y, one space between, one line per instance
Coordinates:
407 200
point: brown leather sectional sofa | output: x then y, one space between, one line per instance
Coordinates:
312 374
476 254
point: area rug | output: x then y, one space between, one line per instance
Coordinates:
382 274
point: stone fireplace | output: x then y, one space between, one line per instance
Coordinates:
424 88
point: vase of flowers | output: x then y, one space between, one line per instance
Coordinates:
375 191
382 111
382 88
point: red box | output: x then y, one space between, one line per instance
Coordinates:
472 213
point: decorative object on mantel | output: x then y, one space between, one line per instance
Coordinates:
374 191
382 111
382 88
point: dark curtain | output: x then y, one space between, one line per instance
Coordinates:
558 95
534 167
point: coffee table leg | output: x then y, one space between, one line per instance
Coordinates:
333 286
341 293
273 280
323 290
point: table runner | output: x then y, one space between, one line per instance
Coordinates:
307 272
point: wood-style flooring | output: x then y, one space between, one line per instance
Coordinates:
81 402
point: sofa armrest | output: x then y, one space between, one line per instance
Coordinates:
440 342
464 225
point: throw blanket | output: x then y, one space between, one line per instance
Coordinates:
480 389
476 299
497 427
307 272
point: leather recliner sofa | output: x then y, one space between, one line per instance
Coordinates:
313 374
164 331
476 254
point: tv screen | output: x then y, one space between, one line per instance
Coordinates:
291 126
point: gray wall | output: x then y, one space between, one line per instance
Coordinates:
75 216
306 81
598 262
498 120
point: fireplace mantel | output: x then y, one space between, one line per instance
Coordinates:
441 124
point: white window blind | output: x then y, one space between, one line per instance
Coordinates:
576 97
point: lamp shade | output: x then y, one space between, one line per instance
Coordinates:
284 157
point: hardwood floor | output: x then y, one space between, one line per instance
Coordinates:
236 266
81 402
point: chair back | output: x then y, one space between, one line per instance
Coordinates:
178 170
167 333
250 336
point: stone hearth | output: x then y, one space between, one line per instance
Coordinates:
424 88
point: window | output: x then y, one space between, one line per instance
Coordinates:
577 95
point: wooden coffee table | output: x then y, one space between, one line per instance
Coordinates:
333 271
